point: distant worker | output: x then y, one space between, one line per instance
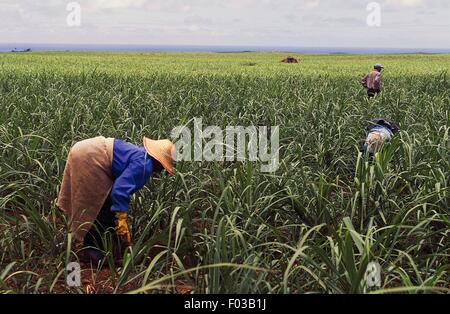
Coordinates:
100 176
372 81
380 131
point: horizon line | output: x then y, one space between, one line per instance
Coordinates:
216 45
216 48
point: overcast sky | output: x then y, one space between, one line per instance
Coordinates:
314 23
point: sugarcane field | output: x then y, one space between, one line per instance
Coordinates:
223 172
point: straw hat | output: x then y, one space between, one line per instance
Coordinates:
163 151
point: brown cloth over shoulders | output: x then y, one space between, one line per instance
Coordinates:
372 80
86 184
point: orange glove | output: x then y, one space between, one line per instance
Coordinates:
122 228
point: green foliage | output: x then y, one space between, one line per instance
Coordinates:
312 226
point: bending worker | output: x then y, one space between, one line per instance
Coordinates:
372 81
380 131
100 176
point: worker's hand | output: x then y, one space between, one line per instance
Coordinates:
122 228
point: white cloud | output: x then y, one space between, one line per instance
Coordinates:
408 3
194 28
229 22
312 3
115 4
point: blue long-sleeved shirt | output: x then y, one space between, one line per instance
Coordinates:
131 169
